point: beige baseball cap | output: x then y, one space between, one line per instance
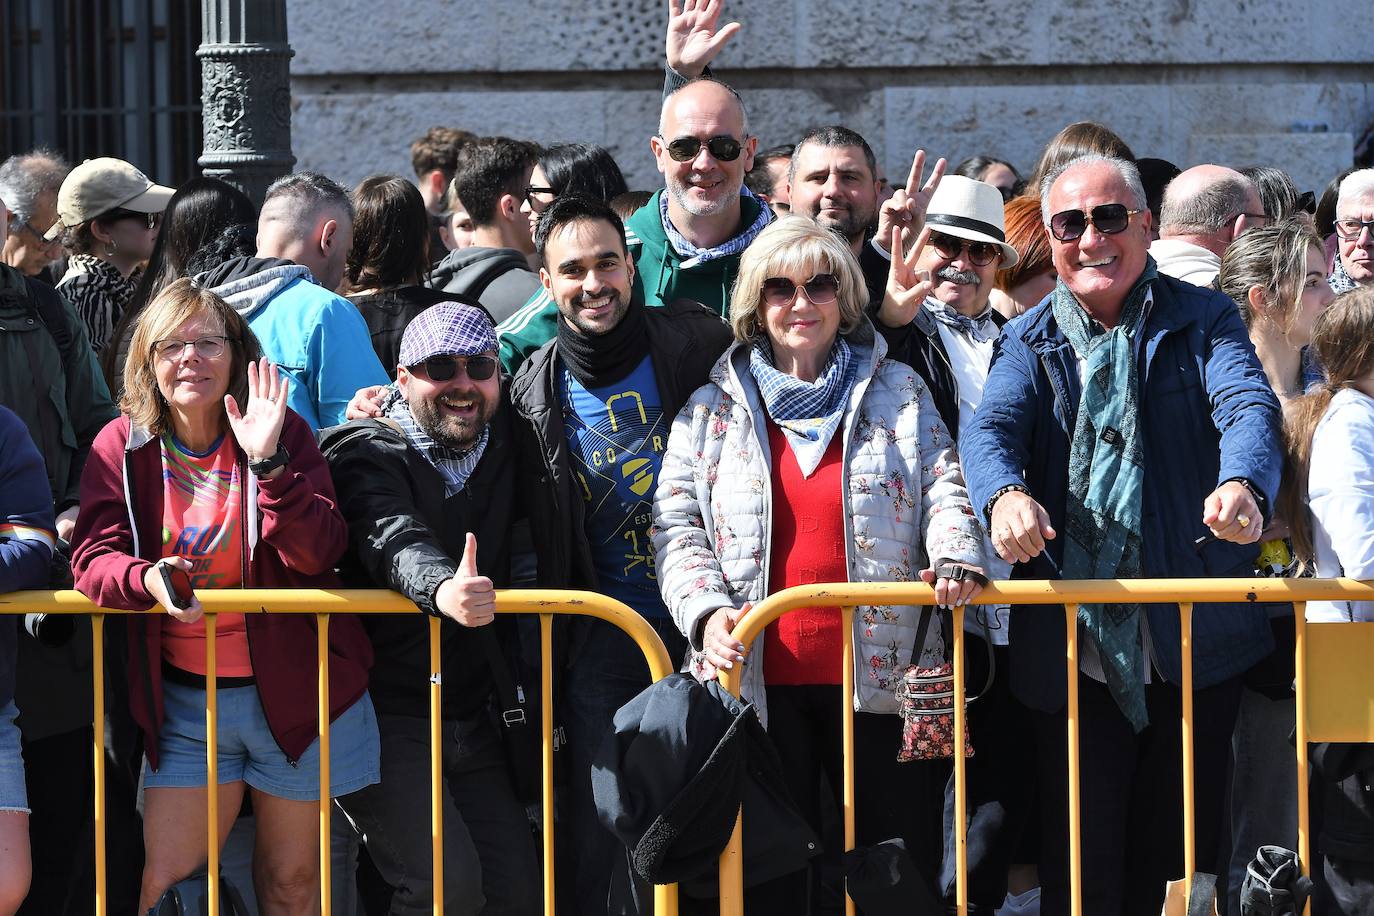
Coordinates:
98 186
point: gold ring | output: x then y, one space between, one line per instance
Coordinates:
1244 521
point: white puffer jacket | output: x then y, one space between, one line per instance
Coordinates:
905 498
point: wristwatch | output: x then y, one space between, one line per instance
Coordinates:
267 465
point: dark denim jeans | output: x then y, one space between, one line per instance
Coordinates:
490 866
605 671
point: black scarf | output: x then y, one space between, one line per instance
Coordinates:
601 360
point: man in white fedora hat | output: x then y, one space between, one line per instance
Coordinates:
948 338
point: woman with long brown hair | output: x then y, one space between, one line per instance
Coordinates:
1329 500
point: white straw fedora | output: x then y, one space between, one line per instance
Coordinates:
972 210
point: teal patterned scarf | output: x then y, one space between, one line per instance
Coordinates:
1106 477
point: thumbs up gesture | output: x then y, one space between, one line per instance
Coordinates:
468 597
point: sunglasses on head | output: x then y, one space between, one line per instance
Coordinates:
820 289
443 368
1108 219
685 149
949 247
1307 203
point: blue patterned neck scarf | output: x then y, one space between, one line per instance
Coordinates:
1106 478
454 466
692 255
981 329
807 412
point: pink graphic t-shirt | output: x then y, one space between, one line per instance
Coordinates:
200 521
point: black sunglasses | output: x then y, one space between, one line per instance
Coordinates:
443 368
1108 219
1307 203
685 149
820 289
150 220
949 247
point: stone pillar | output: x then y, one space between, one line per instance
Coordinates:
246 93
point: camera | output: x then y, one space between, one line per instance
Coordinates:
51 630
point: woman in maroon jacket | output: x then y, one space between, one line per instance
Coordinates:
209 481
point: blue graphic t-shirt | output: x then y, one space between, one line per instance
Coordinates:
616 439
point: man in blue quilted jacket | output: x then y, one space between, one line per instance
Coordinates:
1126 430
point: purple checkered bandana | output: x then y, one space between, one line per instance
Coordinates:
447 329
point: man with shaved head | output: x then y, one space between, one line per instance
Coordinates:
286 293
1204 209
686 241
1126 430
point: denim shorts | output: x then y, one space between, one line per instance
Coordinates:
248 752
13 796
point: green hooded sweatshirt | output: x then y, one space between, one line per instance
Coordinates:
659 278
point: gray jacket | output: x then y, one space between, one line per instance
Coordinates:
904 495
499 278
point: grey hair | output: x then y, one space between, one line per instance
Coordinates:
1210 210
1356 185
1127 170
667 100
26 176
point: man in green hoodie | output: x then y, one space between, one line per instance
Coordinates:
686 241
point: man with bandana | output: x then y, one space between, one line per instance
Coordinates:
686 241
949 340
422 486
1126 429
597 403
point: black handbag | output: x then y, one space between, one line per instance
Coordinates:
518 720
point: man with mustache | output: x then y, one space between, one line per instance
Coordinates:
949 340
598 401
421 486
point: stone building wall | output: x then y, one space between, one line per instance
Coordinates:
1232 81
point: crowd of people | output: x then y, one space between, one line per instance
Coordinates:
777 369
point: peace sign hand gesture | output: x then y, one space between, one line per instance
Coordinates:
907 287
258 427
906 209
693 39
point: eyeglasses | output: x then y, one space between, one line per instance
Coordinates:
534 189
27 226
443 368
820 289
151 220
1260 218
685 149
949 247
1349 229
1108 219
206 347
1307 202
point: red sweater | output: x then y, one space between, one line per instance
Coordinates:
804 647
302 536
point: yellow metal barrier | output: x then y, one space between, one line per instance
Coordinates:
1335 701
545 603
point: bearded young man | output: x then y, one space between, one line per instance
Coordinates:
597 402
421 486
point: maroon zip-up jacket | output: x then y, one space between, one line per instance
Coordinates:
292 541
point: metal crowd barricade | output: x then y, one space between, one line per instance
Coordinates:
1335 694
321 603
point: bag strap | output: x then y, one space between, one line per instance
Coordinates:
508 696
947 621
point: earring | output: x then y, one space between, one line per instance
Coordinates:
110 248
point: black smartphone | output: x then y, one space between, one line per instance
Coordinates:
178 585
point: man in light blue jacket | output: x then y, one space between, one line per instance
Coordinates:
287 295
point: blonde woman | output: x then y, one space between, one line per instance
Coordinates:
210 481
